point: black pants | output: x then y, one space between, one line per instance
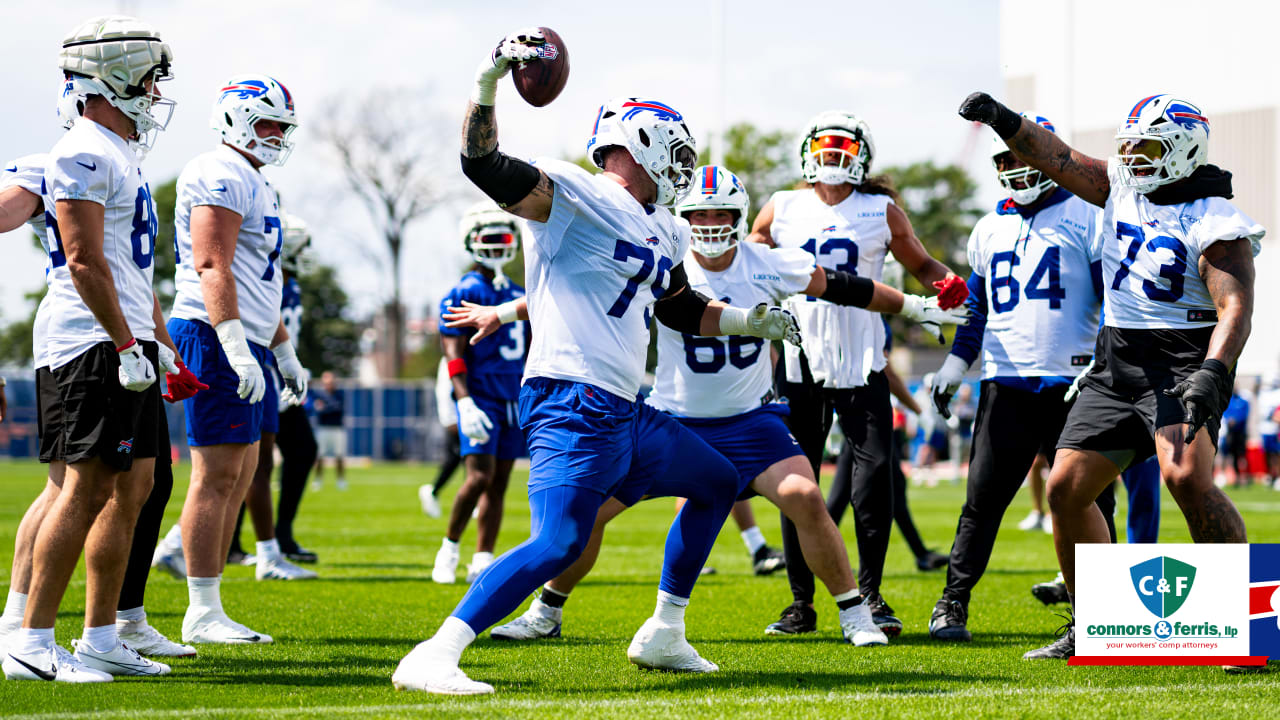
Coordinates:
297 443
866 418
1012 425
842 491
452 459
150 518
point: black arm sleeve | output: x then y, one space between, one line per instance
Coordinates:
848 289
681 307
505 179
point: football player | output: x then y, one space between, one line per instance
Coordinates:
603 256
721 390
849 221
226 314
1177 274
486 383
101 413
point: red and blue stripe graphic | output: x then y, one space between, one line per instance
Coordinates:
1264 600
1137 109
663 111
710 180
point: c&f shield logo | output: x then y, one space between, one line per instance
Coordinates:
1162 584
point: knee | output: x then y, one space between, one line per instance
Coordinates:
1060 491
1182 481
802 496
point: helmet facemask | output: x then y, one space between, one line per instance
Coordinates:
1163 140
1024 183
835 157
244 103
712 241
716 189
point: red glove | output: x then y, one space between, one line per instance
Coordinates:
183 385
952 292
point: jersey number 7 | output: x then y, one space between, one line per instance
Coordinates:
623 251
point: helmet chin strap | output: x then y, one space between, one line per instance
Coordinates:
500 281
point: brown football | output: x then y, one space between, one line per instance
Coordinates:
540 81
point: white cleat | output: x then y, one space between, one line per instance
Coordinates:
144 638
659 646
341 484
424 669
445 570
281 569
214 627
430 505
539 621
860 629
119 660
1031 521
479 562
1046 524
170 560
51 664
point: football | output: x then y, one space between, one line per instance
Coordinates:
540 81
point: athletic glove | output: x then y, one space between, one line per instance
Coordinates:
981 107
182 383
236 347
952 292
945 383
762 321
291 371
1204 395
930 316
518 46
472 420
1074 390
136 371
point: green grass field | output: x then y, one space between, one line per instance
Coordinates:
339 638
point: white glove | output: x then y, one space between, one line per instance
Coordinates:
518 46
1074 390
945 383
926 312
472 420
762 321
236 347
167 359
136 371
295 376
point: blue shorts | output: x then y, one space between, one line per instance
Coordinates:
938 440
271 399
1271 444
506 439
218 415
752 441
582 436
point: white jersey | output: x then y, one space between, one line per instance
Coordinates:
593 270
842 344
716 377
1268 404
92 163
1151 256
1042 305
224 178
27 172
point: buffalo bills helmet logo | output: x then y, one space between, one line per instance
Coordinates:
245 89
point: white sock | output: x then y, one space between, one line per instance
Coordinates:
753 538
32 640
545 610
132 615
453 546
204 593
670 609
103 638
15 607
268 549
453 637
482 558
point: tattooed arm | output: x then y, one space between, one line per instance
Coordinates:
1227 269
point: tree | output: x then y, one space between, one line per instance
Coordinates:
763 160
391 146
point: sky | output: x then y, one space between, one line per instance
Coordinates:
903 67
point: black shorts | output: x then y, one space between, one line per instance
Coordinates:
1122 401
48 415
99 417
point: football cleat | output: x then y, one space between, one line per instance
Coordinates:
427 497
119 660
1060 649
170 560
1031 521
882 614
50 664
280 569
796 619
144 638
341 483
860 628
1052 592
931 560
296 553
659 646
214 627
539 621
425 669
948 621
445 569
479 562
768 560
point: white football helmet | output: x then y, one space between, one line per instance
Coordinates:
715 188
114 56
836 149
1024 184
657 138
247 99
1164 139
295 255
491 235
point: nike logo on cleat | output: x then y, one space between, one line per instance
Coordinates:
88 166
148 669
42 674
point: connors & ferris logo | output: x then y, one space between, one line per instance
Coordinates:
1162 584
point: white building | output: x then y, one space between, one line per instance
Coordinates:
1084 63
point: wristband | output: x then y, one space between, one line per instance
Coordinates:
1007 122
126 346
456 367
508 312
733 321
1216 366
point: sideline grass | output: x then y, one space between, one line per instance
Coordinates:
339 638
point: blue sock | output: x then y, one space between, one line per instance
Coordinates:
1142 482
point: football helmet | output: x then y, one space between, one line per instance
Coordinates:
836 149
716 189
657 138
490 235
295 250
71 100
1024 184
114 56
1164 139
242 103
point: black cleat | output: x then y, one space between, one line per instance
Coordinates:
1060 649
796 619
882 614
931 560
1053 592
707 570
297 553
768 561
948 621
